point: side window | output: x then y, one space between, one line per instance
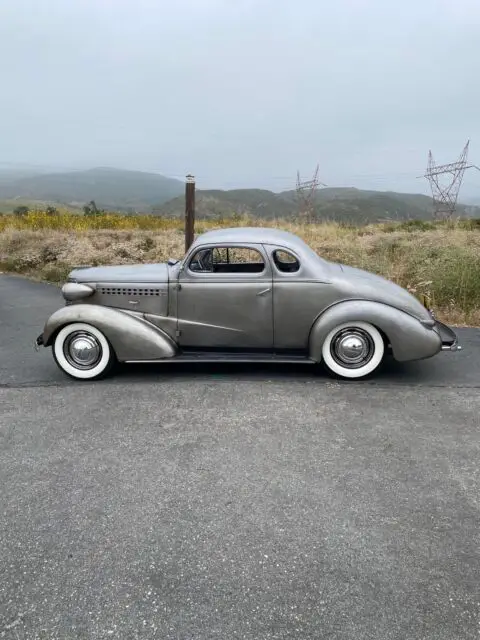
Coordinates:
227 260
285 261
202 261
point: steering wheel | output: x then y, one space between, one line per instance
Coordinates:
202 263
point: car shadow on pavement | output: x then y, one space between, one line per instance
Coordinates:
391 372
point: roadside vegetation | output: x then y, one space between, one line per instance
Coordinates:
437 261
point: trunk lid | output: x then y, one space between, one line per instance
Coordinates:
371 286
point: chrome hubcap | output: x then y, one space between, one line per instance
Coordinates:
352 348
82 350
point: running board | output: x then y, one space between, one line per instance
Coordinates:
199 356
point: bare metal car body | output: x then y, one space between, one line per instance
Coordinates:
288 304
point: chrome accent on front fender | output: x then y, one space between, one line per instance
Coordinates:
73 291
409 338
131 336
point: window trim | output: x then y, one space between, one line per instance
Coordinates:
259 248
292 253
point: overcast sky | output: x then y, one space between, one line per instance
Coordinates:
243 92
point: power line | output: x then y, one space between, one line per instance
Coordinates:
306 191
445 196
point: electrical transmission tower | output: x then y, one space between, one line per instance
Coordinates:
306 191
445 195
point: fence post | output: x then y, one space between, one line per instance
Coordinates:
189 211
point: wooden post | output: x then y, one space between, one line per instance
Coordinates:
189 211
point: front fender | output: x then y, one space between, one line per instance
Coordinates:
131 336
409 338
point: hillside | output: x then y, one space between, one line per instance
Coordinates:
215 203
142 192
9 174
336 204
110 188
9 206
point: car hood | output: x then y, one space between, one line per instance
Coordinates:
138 273
371 286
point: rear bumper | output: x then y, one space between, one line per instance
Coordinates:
448 337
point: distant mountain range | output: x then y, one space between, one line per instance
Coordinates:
336 204
110 188
142 192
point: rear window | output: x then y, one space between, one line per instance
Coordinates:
285 261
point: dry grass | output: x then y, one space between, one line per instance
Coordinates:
441 261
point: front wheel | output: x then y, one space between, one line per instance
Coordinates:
353 350
83 352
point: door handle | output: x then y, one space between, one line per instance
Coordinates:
261 293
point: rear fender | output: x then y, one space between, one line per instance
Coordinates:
409 338
131 336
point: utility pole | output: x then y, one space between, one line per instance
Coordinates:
445 195
189 211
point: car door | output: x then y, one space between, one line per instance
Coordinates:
296 287
225 299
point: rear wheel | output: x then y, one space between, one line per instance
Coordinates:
353 350
83 352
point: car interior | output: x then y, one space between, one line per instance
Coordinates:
227 260
239 260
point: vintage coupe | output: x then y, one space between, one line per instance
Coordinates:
241 294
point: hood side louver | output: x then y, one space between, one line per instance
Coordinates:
128 291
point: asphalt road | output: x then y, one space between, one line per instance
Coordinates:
196 503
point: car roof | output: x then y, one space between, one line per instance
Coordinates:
252 235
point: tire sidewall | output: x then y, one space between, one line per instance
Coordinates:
361 372
100 370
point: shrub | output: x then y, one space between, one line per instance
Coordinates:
472 224
415 225
48 254
146 244
21 210
55 273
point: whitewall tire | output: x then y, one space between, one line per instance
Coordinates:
353 350
83 352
